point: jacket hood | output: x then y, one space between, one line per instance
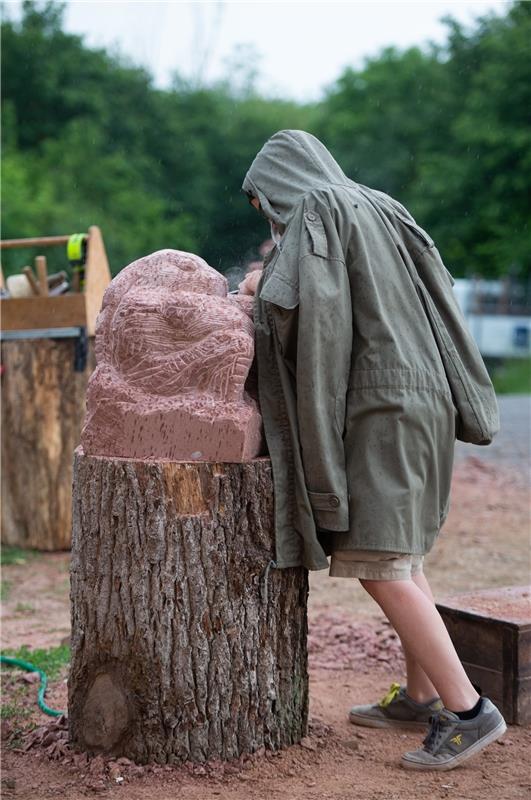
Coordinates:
289 165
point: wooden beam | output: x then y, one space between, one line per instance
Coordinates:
36 241
27 313
97 276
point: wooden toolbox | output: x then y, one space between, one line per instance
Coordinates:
491 631
47 344
72 310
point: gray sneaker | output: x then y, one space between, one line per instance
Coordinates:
451 740
395 710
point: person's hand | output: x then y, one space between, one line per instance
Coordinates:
250 282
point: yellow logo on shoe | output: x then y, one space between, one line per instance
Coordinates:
456 739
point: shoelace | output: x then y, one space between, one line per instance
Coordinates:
390 696
438 730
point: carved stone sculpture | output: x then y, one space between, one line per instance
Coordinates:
174 352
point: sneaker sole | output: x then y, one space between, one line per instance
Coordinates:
374 722
496 733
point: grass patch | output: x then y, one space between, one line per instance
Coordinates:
13 710
51 661
24 608
512 376
19 698
10 556
14 700
5 588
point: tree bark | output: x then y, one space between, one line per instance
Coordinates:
187 644
43 405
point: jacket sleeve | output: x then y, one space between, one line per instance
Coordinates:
309 295
324 344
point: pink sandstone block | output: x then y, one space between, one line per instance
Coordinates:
174 352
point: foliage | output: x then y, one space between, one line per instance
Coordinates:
88 139
512 376
15 555
447 132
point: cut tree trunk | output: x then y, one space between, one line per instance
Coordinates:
43 406
187 643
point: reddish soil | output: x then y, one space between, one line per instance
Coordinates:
335 762
354 655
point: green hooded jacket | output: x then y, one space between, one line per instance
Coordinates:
366 370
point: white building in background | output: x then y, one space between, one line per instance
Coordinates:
490 314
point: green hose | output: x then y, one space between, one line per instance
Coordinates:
18 662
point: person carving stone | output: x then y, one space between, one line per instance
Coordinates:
174 352
366 375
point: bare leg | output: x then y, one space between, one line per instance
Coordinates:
424 637
419 686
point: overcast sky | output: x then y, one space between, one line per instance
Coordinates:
298 48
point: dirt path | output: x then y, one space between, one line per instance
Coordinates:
485 543
343 763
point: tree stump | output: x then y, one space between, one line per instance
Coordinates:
187 643
43 405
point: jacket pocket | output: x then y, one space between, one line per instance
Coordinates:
280 291
324 501
422 239
329 510
315 228
341 406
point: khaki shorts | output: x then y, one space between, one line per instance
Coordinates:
374 565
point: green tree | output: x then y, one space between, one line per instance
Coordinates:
477 191
88 139
447 132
